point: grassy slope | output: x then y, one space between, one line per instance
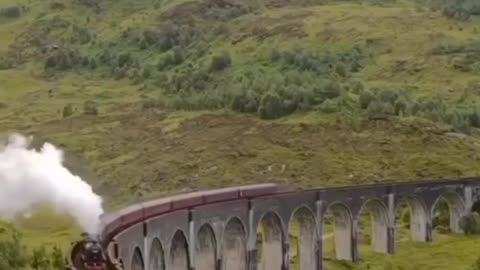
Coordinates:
132 154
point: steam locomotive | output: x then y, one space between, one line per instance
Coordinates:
87 254
90 254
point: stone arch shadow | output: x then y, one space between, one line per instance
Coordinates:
380 221
137 260
418 216
178 256
456 209
157 255
303 238
342 220
234 245
270 236
206 248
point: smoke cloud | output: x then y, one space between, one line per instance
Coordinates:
29 178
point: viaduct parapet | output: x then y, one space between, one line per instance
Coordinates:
248 228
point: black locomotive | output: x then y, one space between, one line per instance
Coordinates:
87 254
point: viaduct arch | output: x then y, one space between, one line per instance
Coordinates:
261 227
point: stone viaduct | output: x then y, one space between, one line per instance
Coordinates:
247 228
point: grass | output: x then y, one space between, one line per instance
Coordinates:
446 252
50 229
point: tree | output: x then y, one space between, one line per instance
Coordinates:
470 223
476 264
220 62
400 106
365 99
12 251
341 70
90 108
39 259
270 106
67 110
57 259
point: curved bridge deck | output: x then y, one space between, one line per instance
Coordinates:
248 227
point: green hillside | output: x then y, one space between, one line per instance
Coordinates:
153 97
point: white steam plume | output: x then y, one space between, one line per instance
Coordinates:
30 178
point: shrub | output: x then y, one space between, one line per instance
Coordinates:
147 72
85 62
357 86
431 108
301 98
365 98
375 107
276 55
441 216
388 96
456 11
271 106
58 262
39 259
89 3
134 76
92 63
11 12
220 62
460 123
245 103
341 70
67 111
168 38
106 57
406 219
152 103
330 89
328 106
149 38
57 6
90 108
119 73
124 59
470 223
177 56
63 59
81 35
401 106
12 251
474 117
165 61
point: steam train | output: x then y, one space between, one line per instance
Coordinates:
87 254
90 252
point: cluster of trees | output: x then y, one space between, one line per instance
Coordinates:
456 9
89 108
15 256
290 80
298 80
465 56
11 12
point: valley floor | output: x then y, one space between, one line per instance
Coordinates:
446 252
